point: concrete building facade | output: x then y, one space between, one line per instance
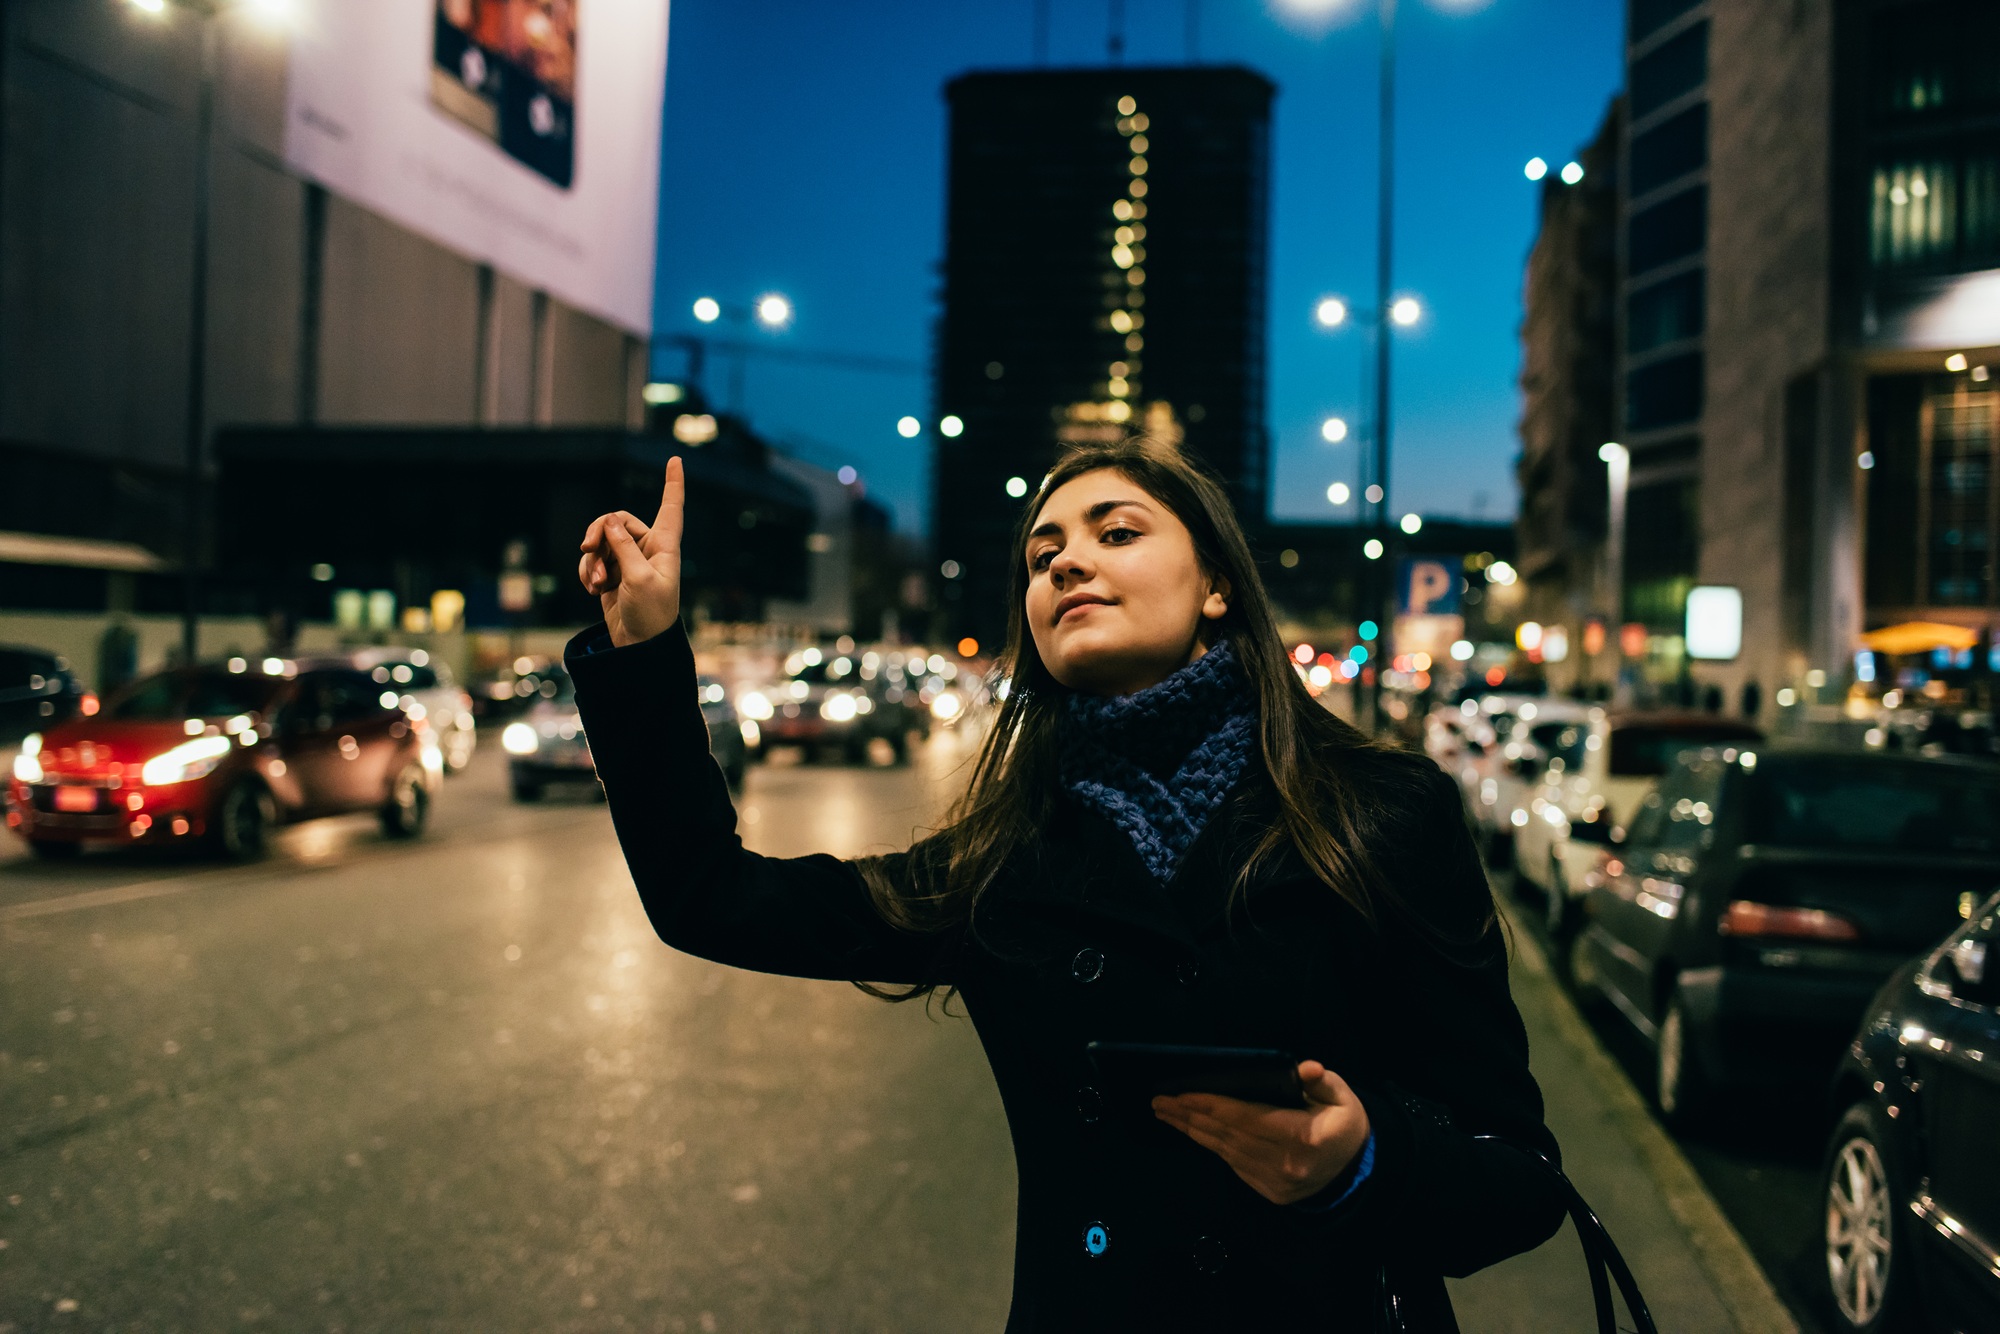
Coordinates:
320 312
1807 324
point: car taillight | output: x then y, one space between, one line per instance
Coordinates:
88 705
1747 919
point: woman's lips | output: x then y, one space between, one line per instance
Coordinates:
1081 606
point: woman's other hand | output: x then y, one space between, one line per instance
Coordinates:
1284 1154
635 571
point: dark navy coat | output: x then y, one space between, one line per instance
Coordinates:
1077 942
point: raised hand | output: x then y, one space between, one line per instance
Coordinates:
635 570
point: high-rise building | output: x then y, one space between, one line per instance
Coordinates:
1808 341
1104 273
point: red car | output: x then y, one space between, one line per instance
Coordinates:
216 756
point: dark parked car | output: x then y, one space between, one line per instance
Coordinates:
1760 898
216 755
547 745
1912 1184
37 691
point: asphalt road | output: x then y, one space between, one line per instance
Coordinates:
460 1085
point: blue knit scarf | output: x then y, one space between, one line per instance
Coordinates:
1157 763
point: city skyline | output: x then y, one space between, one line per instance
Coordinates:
861 139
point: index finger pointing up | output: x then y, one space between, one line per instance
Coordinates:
673 499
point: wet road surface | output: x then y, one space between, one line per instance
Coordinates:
458 1084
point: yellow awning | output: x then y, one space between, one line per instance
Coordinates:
1920 637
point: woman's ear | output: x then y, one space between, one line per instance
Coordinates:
1216 605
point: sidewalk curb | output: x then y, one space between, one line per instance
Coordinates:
1721 1251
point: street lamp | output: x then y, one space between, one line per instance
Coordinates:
1331 312
195 440
1333 430
1618 475
771 310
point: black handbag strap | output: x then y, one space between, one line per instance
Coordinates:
1601 1257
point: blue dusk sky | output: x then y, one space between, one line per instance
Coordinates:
804 153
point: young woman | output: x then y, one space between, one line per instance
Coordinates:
1165 840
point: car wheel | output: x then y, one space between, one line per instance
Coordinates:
526 789
733 775
1583 979
1681 1088
243 822
1864 1257
409 805
899 745
55 849
1558 909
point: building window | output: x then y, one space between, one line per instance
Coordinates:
1662 545
1670 150
1649 16
1671 229
1934 58
1666 312
1666 393
1936 209
1679 66
1960 497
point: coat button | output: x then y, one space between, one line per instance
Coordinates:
1088 965
1096 1240
1089 1105
1187 970
1210 1256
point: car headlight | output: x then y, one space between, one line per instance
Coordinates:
947 706
187 761
28 763
753 704
837 709
520 739
752 734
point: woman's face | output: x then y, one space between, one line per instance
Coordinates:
1116 595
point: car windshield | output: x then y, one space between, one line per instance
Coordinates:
1560 741
18 668
1890 806
172 696
1645 752
826 671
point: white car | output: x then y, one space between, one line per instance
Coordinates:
1593 786
427 682
1506 739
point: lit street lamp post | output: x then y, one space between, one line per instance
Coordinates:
1618 476
194 445
771 310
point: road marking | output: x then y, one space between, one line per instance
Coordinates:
97 898
270 871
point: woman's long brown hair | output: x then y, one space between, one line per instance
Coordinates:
1326 813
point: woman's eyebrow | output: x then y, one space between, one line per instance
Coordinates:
1091 515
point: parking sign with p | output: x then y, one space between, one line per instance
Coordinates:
1427 586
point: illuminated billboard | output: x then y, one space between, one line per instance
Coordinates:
521 133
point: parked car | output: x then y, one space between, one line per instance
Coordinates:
1912 1201
1536 734
427 691
37 691
1593 784
831 702
217 755
547 745
1759 898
